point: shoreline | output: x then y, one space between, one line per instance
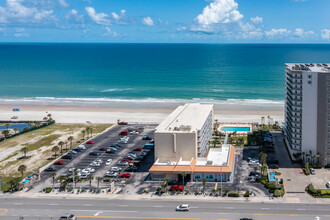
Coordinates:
109 112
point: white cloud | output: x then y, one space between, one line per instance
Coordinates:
109 33
99 18
325 34
74 16
148 21
219 11
20 32
277 33
63 3
119 18
256 20
300 33
16 12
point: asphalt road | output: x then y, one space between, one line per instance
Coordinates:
42 209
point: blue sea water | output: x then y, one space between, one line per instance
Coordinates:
214 72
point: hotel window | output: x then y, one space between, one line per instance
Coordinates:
209 176
197 176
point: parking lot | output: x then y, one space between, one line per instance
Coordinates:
82 159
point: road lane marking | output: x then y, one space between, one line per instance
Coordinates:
18 203
237 213
229 207
88 205
4 211
265 208
102 211
129 217
301 209
122 205
52 204
96 214
158 206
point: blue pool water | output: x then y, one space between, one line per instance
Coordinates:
235 128
20 127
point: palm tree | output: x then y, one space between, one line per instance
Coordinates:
22 169
15 129
166 181
313 159
7 126
45 119
318 155
55 150
37 124
98 181
83 133
310 154
263 169
70 139
5 133
183 175
91 130
24 149
53 176
90 179
204 181
61 144
87 130
66 145
49 116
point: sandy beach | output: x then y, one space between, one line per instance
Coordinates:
110 112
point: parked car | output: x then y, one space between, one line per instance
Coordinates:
138 149
127 160
59 162
90 142
123 132
312 170
71 169
115 169
111 174
86 172
135 132
91 170
77 149
94 153
183 207
147 138
328 185
116 146
102 149
94 164
125 175
122 123
83 176
122 163
99 161
144 153
68 217
73 152
130 169
67 156
50 168
149 146
176 188
108 162
110 151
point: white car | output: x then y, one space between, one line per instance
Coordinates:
183 207
122 163
85 171
135 132
98 161
328 184
82 147
71 169
115 169
91 170
83 176
111 174
95 164
122 141
108 162
72 152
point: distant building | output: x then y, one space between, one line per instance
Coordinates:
307 109
181 145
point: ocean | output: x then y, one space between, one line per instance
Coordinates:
216 73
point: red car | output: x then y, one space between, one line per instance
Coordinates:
125 175
127 160
102 149
176 187
138 149
124 133
59 162
122 123
90 142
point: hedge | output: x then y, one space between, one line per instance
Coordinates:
320 193
233 194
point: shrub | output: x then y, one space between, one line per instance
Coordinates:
315 166
327 166
247 194
233 194
281 181
258 180
213 190
324 192
145 191
48 190
278 193
226 192
310 189
306 169
187 192
277 173
107 179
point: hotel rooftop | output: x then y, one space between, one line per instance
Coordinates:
186 118
313 67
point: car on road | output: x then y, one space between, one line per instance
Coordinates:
115 169
176 188
67 156
68 217
125 175
59 162
108 162
90 142
94 153
50 168
312 171
147 138
130 169
138 149
328 185
183 207
102 149
122 123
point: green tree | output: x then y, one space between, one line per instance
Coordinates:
37 124
204 181
83 132
183 175
61 145
7 126
264 169
16 130
24 150
87 131
166 181
55 149
13 183
53 176
70 139
98 181
90 179
318 155
5 133
22 169
45 119
91 130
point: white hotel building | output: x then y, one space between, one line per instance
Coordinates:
307 109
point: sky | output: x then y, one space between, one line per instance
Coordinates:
165 21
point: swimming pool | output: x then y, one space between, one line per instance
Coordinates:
20 127
240 129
